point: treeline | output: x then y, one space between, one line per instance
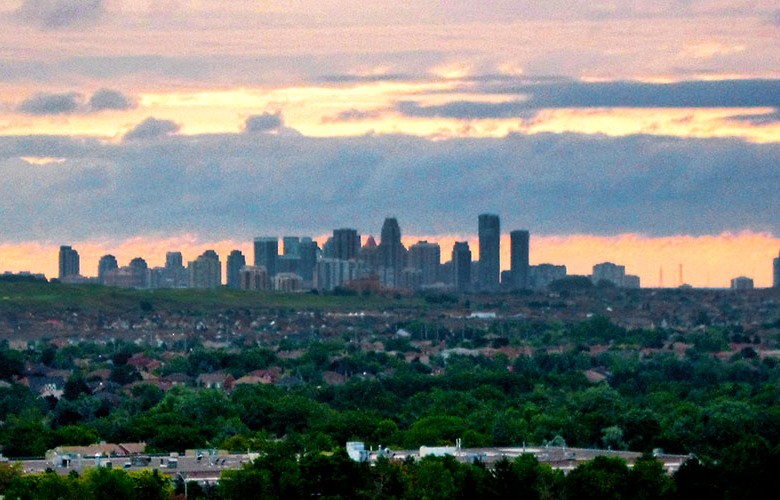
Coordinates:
281 473
697 404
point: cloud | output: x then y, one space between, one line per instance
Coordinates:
56 14
44 103
106 99
152 128
464 110
51 104
686 94
571 94
759 119
242 185
352 115
266 122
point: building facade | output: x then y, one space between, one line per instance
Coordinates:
742 283
519 258
392 254
489 252
69 262
105 264
346 244
235 262
461 266
425 257
206 271
267 253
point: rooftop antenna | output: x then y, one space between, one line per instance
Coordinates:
681 275
661 277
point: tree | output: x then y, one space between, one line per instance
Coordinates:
648 480
115 484
151 485
600 479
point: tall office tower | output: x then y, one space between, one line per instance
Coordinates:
292 246
776 279
139 271
425 257
266 253
519 250
307 249
69 262
461 266
174 275
392 253
489 252
369 257
206 271
173 260
346 244
105 264
235 262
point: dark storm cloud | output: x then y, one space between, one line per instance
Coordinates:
51 104
535 96
265 122
152 128
241 185
106 99
55 14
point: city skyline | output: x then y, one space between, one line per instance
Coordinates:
643 133
515 252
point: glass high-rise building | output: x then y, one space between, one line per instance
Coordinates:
489 252
267 253
235 262
346 244
69 262
519 250
461 266
776 278
105 264
392 253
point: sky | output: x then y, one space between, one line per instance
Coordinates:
645 133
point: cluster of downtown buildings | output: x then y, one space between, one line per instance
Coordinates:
344 262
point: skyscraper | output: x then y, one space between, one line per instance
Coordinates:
139 270
266 253
776 279
392 253
461 266
519 250
426 257
105 264
173 260
206 271
69 262
346 244
307 249
489 252
235 262
291 246
174 275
